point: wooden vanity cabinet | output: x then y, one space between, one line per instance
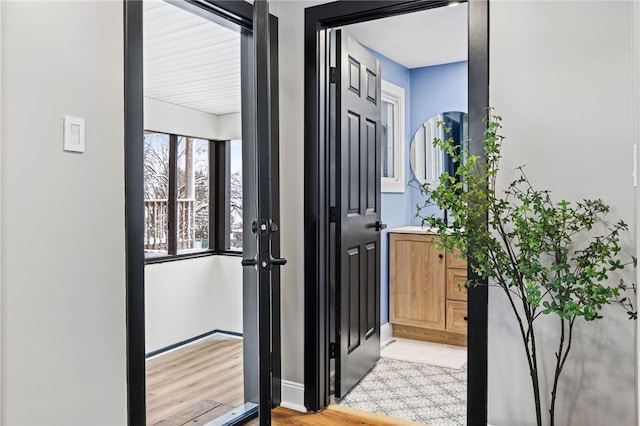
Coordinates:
428 300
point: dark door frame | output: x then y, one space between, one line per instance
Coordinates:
316 217
232 14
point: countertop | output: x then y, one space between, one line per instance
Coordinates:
414 230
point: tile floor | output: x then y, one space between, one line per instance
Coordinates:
419 392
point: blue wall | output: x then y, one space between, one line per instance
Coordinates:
394 205
428 91
434 90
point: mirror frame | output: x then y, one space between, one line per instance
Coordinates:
435 160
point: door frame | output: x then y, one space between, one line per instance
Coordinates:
232 14
316 206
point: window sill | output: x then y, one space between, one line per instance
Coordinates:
150 260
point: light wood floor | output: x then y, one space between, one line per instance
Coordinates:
198 382
334 415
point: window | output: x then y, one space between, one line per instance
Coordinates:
192 195
235 206
392 138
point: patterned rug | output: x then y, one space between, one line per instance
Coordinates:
419 392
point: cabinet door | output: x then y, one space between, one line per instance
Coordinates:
417 282
456 314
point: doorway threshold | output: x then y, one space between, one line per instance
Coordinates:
236 416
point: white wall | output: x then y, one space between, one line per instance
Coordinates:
291 56
1 139
186 298
170 118
230 126
561 76
63 247
636 125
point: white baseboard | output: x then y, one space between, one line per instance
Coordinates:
386 332
293 396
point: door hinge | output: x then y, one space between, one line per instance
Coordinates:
332 350
332 214
333 78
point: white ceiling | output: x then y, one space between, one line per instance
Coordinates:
420 39
192 62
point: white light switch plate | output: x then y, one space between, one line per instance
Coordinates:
73 134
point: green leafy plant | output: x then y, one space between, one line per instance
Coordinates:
550 258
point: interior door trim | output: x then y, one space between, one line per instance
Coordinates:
134 211
316 210
233 14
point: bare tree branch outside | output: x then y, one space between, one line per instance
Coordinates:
192 193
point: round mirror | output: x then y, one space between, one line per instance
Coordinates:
427 161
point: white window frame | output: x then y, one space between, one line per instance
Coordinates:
395 95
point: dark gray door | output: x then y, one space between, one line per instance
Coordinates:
261 211
357 269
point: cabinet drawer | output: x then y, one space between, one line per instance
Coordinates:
456 313
456 279
454 260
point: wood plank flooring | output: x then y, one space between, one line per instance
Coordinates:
334 415
200 381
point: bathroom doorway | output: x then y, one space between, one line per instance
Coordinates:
423 67
320 20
